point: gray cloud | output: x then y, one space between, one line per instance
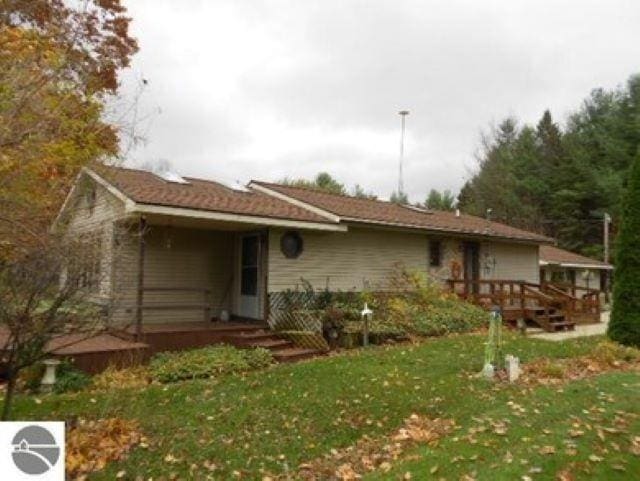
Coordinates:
288 88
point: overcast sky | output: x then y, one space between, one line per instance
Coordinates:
242 89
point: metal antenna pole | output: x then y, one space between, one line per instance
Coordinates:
403 114
607 221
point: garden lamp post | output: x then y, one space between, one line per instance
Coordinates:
366 314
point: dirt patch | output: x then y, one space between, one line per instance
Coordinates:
370 454
92 444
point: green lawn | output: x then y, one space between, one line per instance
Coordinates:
272 421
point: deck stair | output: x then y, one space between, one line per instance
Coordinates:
191 335
549 306
282 349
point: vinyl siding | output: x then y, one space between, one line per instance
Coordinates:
353 260
178 258
185 258
511 261
365 258
83 216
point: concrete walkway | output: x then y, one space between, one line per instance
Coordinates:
580 331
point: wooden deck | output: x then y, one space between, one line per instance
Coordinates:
553 307
94 352
177 336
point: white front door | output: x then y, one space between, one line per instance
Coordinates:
250 275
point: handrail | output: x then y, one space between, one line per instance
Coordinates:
548 296
565 285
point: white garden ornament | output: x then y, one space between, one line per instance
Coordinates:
49 378
512 364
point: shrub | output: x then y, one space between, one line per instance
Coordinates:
410 303
625 317
258 358
31 377
608 352
206 362
420 306
70 379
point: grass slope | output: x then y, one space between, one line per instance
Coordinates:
272 421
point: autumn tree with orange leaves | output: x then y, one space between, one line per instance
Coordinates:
59 66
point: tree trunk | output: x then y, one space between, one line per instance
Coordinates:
8 397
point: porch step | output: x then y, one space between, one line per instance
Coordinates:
282 349
293 354
272 344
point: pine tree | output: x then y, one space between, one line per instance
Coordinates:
625 318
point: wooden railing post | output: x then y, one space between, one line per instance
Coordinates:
142 226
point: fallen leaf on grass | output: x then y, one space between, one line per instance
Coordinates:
92 444
368 454
565 475
547 450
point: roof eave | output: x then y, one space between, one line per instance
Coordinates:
460 232
185 212
575 265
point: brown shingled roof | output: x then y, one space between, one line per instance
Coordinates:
382 212
555 255
147 188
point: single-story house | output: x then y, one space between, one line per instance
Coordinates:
202 249
564 267
175 254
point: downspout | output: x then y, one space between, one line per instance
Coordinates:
142 226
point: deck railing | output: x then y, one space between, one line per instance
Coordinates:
578 303
582 302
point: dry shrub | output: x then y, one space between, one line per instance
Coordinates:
92 444
421 306
606 356
612 353
114 378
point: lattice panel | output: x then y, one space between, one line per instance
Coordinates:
291 311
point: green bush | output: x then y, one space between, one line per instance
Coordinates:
207 362
258 358
625 317
410 304
419 306
70 379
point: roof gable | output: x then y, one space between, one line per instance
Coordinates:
145 187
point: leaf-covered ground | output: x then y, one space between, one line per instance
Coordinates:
266 424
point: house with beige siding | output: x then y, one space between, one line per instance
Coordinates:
561 266
182 251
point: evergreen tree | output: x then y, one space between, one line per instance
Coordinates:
399 198
560 182
323 181
625 318
359 192
440 200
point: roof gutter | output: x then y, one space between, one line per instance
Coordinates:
138 208
443 230
577 266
